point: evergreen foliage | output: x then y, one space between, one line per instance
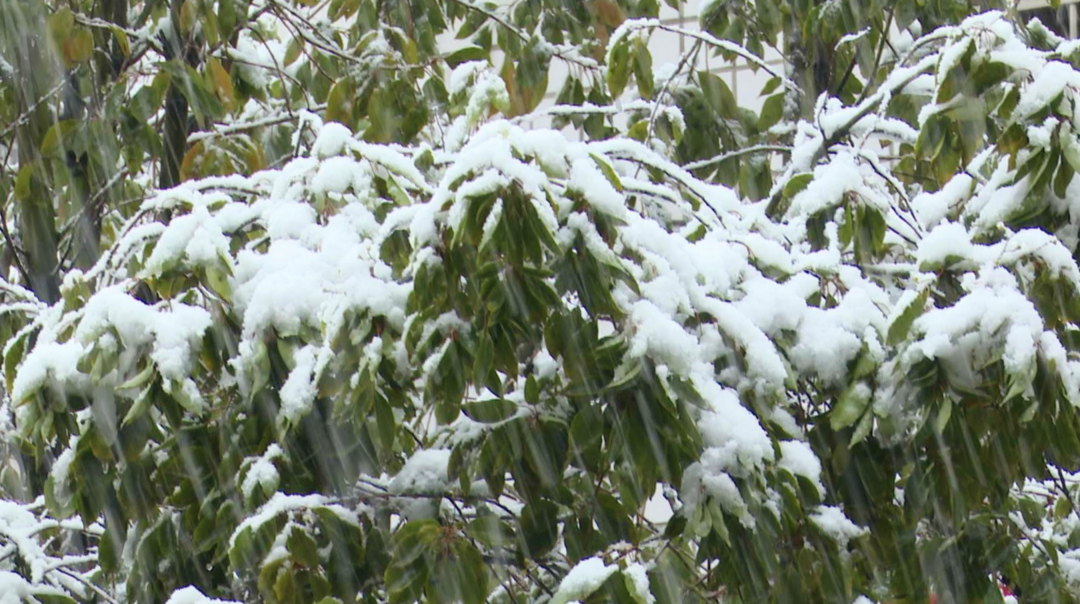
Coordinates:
300 307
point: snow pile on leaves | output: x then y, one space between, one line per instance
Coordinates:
319 283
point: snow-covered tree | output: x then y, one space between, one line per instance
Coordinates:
302 308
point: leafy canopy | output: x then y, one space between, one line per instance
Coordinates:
300 306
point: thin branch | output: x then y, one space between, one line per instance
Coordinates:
26 115
100 592
16 251
717 43
705 163
228 130
877 59
583 63
277 68
870 104
693 52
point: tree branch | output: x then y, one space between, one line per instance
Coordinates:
705 163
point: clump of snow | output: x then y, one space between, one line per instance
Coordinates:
1049 82
195 238
192 595
47 360
586 178
586 577
932 208
171 331
336 174
992 311
289 220
949 242
332 140
656 334
281 503
261 472
705 479
798 458
14 589
637 582
424 473
298 392
829 339
732 430
832 521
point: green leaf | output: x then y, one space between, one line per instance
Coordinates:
384 418
12 358
490 411
108 556
943 415
141 379
862 430
770 86
303 547
586 438
718 95
293 51
850 406
204 103
643 69
539 528
58 138
339 102
396 112
122 41
60 24
771 112
532 391
901 325
188 13
469 53
618 68
608 172
796 184
491 531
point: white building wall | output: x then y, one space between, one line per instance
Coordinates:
667 47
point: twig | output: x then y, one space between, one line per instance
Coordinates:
693 52
15 250
522 35
1065 488
100 592
705 163
865 107
877 59
19 120
718 43
222 130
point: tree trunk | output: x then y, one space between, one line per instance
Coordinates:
176 108
23 36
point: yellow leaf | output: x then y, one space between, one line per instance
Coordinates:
187 16
191 164
24 182
255 159
60 24
57 138
78 47
609 13
223 85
